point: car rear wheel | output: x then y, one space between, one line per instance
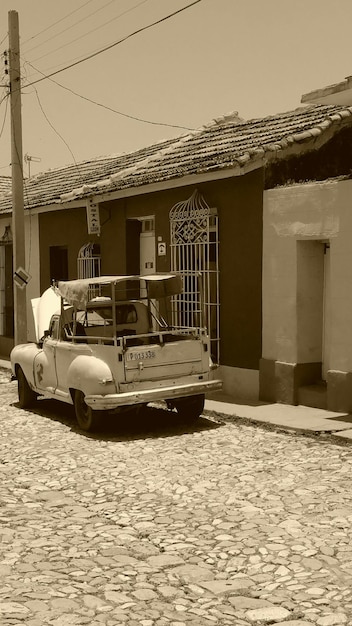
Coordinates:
26 395
189 409
88 420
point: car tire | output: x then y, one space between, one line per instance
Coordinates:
189 409
88 420
26 395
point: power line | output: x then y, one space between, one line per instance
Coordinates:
5 114
116 43
90 31
71 26
138 119
57 22
58 134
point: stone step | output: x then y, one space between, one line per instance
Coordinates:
313 395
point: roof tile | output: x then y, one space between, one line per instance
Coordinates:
5 184
228 142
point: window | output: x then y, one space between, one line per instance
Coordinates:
58 256
54 330
147 224
89 261
195 251
89 264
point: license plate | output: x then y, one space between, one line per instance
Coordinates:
141 356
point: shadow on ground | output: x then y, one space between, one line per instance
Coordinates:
134 423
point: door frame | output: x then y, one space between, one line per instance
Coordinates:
326 339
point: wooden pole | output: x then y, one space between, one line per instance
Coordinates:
19 259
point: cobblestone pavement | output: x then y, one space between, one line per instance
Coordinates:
228 524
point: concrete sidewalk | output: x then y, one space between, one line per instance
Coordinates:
298 418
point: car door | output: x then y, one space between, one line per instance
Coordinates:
44 363
71 344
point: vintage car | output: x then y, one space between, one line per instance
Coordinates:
107 343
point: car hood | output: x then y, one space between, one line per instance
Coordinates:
43 308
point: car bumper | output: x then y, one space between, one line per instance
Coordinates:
113 401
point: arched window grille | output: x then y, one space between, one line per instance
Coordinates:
195 251
89 263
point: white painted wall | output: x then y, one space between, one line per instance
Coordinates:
31 226
313 212
239 384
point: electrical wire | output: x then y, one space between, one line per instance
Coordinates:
57 22
2 41
58 134
5 114
69 27
138 119
73 41
116 43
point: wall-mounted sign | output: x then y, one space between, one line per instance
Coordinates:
93 218
21 277
161 248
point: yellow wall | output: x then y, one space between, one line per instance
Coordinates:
293 216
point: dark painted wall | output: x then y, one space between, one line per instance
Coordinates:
241 239
332 159
65 229
239 204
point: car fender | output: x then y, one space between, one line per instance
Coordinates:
90 375
24 356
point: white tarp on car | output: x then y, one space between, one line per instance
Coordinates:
76 292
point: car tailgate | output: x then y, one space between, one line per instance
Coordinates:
168 360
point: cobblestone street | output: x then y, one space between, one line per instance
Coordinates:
226 523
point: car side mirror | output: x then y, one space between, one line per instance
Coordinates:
46 334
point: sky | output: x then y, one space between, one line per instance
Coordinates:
257 57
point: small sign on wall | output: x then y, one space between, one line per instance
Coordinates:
21 277
93 218
161 248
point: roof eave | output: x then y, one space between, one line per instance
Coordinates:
339 93
183 181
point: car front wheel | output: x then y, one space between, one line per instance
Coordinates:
26 395
88 420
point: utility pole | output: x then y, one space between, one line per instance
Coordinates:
19 257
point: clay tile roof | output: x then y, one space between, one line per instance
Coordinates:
228 142
5 184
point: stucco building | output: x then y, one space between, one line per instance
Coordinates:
216 201
307 261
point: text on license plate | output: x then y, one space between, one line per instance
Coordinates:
140 356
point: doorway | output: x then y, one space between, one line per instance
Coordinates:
140 246
326 313
147 255
58 260
313 301
194 247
